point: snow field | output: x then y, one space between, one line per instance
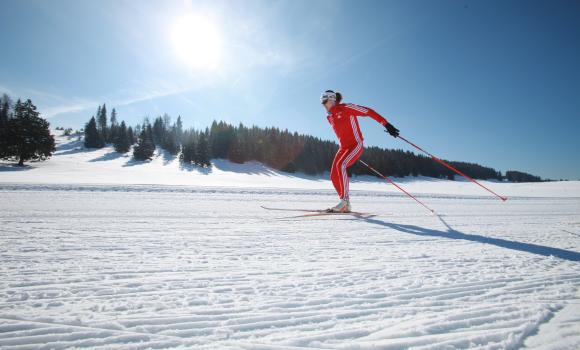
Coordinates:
168 267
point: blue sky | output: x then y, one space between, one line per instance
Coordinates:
492 82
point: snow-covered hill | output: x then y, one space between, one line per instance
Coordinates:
73 164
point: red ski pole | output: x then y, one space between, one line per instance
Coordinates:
397 186
450 167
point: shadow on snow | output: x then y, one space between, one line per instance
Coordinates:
498 242
108 156
15 167
72 147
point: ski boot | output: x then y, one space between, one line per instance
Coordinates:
342 207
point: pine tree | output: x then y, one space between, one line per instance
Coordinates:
170 142
102 123
4 109
93 138
98 113
130 136
158 131
145 147
114 126
203 152
4 115
236 153
179 130
221 138
29 136
114 118
188 150
121 143
166 121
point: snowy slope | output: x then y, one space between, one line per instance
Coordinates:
91 257
74 164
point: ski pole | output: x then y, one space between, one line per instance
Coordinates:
450 167
397 186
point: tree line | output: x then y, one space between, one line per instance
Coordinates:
291 152
191 145
24 135
518 176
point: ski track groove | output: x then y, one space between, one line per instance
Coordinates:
151 280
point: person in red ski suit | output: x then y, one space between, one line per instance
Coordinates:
343 118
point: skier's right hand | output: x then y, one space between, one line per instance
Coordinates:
394 132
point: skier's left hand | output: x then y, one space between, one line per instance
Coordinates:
394 132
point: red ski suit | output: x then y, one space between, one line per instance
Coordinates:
343 119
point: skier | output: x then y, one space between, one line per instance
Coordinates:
343 119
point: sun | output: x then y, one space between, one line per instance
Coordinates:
197 42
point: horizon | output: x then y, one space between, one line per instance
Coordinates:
492 83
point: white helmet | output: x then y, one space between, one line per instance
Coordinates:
328 95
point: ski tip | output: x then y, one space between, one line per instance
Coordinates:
504 199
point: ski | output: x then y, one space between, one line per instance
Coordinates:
295 209
324 213
317 212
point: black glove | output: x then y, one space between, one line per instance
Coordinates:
394 132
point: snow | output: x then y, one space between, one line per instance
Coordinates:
105 256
